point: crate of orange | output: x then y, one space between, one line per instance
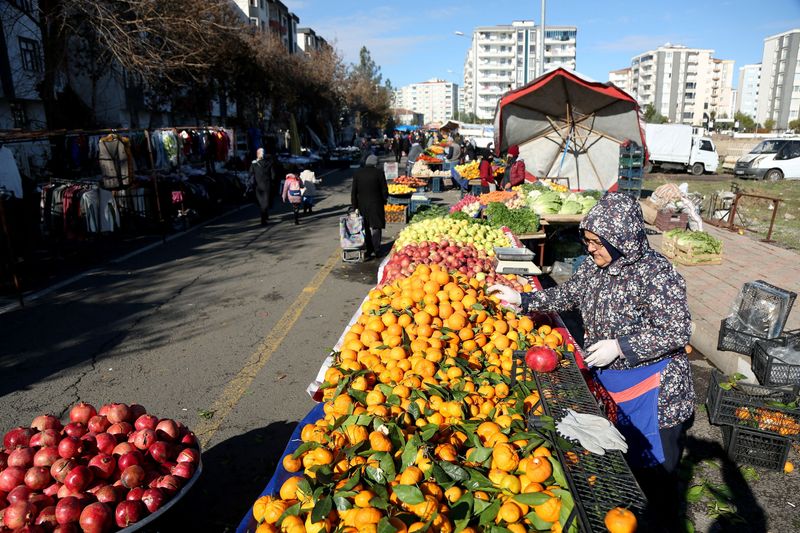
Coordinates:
420 426
395 213
606 495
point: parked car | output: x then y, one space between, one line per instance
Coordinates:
771 159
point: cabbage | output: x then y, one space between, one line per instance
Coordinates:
571 208
587 202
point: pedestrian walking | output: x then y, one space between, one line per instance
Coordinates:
413 154
369 194
293 194
397 148
262 174
309 189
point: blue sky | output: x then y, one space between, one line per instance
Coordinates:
414 40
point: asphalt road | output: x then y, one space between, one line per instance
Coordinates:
221 329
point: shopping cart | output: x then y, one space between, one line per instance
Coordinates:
351 237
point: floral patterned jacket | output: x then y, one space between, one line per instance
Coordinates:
639 300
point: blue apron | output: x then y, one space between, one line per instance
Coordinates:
635 392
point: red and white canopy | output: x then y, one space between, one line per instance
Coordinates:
567 125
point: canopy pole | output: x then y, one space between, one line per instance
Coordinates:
594 168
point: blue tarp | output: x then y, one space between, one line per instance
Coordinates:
248 523
406 127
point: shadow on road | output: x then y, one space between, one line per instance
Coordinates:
235 472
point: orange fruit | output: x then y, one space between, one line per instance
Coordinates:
264 527
363 498
290 464
259 506
549 510
620 520
509 513
788 467
367 516
539 469
379 442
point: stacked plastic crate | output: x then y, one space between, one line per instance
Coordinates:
759 422
631 169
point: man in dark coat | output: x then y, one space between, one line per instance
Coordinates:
369 194
262 174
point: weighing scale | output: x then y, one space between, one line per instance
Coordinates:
517 261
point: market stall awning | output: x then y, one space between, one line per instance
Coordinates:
567 125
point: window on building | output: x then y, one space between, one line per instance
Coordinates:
29 52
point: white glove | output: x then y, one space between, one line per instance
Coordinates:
506 294
603 353
594 433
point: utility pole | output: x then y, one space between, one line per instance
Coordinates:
541 43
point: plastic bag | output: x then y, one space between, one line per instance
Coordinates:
351 231
789 354
760 309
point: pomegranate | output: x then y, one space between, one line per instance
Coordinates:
18 514
106 494
168 483
183 470
20 493
168 430
153 499
189 439
70 447
63 492
161 451
68 510
17 438
43 422
46 456
71 527
40 501
120 428
146 422
82 412
89 444
48 437
129 512
129 459
541 359
38 477
61 468
118 412
189 455
11 477
105 443
144 438
136 410
98 424
47 517
135 493
123 447
96 518
21 457
78 478
52 490
133 476
102 465
75 429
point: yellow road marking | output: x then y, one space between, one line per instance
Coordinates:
236 387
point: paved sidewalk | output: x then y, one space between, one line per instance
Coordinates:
712 289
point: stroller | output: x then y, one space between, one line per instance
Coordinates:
351 237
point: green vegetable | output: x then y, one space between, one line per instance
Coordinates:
429 211
519 221
570 207
700 242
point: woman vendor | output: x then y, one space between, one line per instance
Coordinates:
637 324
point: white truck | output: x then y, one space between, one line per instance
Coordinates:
675 146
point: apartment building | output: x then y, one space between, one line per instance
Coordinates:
436 99
274 17
686 85
308 40
779 86
502 58
621 78
21 66
747 92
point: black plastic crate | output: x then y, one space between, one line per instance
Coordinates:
753 407
756 447
771 370
756 294
731 339
597 482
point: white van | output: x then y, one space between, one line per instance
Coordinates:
677 146
771 159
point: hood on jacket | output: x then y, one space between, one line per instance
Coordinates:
618 219
372 161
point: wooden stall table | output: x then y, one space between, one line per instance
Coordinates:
540 236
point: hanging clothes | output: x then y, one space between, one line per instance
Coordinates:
116 161
10 179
